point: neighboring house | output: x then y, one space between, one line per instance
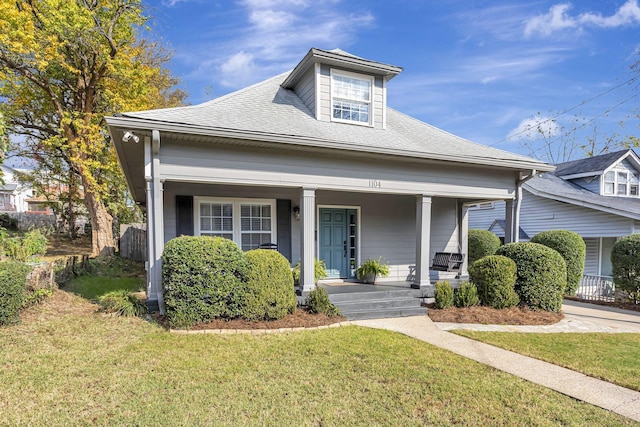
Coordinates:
597 197
14 195
315 163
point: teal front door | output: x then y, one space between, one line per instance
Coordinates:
337 241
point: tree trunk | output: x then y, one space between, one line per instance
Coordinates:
101 226
72 214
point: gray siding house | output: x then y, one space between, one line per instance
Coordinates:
313 163
597 197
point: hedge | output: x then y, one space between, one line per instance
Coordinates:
443 295
203 278
572 248
495 277
541 274
466 295
318 302
270 293
481 244
13 282
625 261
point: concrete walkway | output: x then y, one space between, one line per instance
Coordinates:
579 386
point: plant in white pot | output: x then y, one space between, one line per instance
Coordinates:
371 269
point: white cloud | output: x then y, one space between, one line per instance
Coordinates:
628 14
558 19
534 128
240 65
279 32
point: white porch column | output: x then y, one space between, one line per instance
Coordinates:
508 221
423 239
463 226
307 238
155 218
150 264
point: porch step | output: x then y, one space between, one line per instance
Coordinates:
379 304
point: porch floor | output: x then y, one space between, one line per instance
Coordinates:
358 287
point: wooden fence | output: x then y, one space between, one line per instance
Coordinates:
133 241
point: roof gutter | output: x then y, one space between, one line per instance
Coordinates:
130 122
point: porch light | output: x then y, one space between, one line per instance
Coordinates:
296 213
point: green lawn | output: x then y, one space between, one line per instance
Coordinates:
67 364
106 275
611 357
92 287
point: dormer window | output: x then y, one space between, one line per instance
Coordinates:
621 183
633 187
351 97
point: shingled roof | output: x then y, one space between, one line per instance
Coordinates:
267 111
553 187
595 165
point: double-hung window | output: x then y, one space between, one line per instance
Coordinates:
609 182
633 188
248 222
621 183
351 96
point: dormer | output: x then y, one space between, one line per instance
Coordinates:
613 174
342 88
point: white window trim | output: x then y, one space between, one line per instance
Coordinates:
355 76
235 202
616 182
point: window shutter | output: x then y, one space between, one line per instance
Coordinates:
184 215
283 208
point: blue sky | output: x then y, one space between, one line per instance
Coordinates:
484 70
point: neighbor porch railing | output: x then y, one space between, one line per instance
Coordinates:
596 288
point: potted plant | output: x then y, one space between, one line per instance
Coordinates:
371 269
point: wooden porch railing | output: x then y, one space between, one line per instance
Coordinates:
596 288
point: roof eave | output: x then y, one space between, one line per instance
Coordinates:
583 203
323 56
581 175
130 122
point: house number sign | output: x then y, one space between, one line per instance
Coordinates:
374 183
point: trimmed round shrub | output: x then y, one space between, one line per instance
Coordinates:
466 295
572 248
443 295
203 278
481 244
495 277
13 285
318 302
270 294
625 261
541 274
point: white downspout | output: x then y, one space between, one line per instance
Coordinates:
516 217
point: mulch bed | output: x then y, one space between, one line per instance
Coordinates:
301 318
489 315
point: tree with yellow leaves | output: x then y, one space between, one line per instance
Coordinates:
64 65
